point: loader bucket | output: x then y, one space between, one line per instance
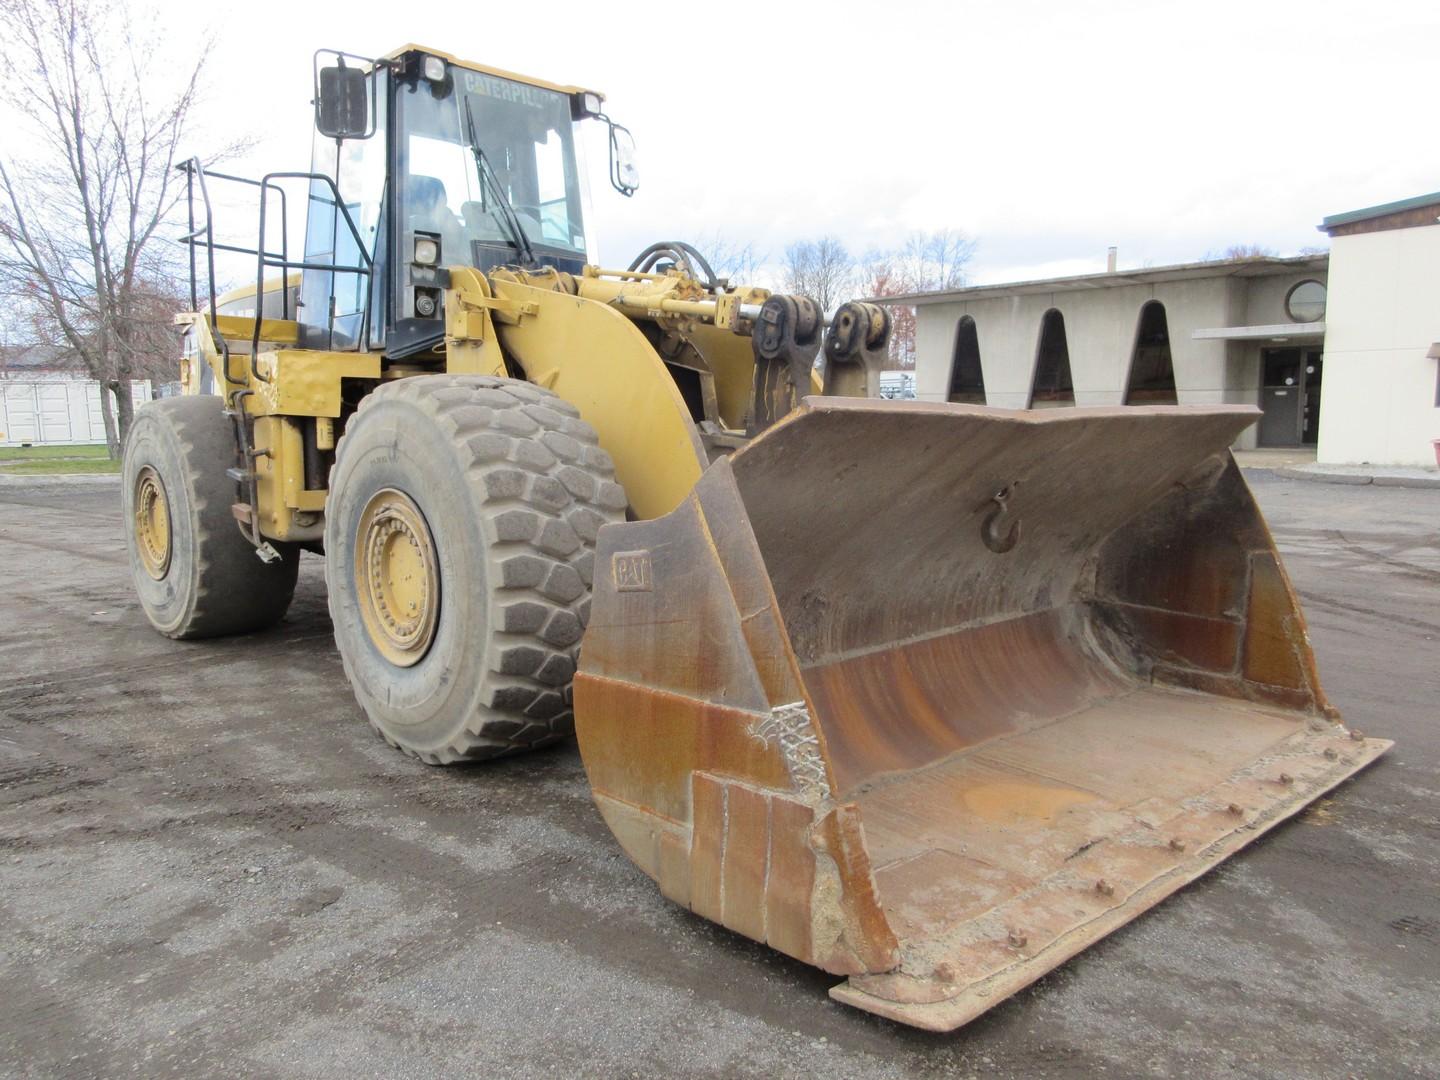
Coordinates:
935 696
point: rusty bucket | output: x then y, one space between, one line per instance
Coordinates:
934 696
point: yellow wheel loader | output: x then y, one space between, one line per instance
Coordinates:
930 696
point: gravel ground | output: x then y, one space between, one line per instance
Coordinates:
209 866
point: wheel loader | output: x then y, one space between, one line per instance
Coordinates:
930 696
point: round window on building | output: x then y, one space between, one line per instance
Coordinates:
1306 302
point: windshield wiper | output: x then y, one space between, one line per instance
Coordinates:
506 216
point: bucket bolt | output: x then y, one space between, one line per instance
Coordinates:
1176 844
1286 779
1104 888
1017 939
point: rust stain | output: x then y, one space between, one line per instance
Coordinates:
1013 803
979 748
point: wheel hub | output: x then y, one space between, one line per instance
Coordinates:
396 577
152 523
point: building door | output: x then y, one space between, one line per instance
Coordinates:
1289 397
1310 420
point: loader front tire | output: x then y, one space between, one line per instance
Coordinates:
195 572
459 552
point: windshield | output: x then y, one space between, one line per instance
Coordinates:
527 137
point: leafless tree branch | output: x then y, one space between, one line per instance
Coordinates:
85 190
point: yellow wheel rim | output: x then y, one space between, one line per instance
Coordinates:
152 523
397 577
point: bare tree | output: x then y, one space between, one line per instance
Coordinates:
935 260
820 269
1241 253
926 262
735 260
84 192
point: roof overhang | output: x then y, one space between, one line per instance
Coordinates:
1243 268
1278 332
1368 213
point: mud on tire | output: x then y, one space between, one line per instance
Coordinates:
211 581
513 487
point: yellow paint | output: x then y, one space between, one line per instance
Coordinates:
397 580
732 363
152 523
245 292
598 360
306 382
280 482
471 347
196 335
240 331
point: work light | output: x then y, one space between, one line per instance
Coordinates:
427 251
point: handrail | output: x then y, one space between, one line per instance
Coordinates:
264 260
203 235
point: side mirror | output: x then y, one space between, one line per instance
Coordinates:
624 174
342 103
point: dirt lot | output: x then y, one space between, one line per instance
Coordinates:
211 867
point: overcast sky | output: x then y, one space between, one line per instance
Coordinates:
1047 131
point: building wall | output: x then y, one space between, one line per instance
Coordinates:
55 408
1382 315
1100 328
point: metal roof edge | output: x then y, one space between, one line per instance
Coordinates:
1366 213
1216 267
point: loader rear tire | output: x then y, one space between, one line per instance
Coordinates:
195 572
459 552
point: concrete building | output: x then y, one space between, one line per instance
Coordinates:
1193 334
1382 335
1259 331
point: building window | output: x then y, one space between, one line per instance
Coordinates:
967 379
1306 302
1053 385
1152 371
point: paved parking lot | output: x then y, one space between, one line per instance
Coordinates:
210 867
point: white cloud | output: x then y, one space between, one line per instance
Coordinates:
1046 130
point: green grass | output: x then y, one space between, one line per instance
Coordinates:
51 451
53 466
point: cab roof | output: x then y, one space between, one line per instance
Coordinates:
486 69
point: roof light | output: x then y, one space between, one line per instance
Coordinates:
586 103
433 68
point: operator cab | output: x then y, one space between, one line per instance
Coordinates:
437 163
